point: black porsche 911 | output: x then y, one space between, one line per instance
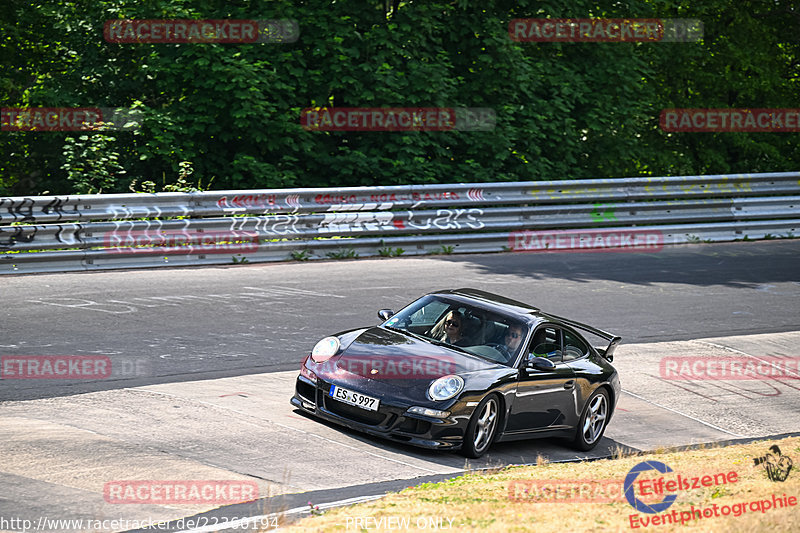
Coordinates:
461 369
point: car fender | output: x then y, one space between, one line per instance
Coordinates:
502 382
347 337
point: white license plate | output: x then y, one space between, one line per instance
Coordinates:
354 398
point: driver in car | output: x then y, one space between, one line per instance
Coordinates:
514 335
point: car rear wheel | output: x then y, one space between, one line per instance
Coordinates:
593 421
482 427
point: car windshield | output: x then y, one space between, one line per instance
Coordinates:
486 334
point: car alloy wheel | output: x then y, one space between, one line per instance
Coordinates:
482 428
593 421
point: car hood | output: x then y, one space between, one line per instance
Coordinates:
389 363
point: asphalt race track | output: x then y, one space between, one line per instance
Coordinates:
204 362
189 324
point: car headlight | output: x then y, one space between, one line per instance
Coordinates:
445 387
427 411
325 349
308 374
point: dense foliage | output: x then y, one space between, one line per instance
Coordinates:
227 115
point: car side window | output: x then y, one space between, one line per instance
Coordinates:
574 346
546 343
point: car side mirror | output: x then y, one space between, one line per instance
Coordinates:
540 363
385 314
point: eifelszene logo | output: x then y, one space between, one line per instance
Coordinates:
630 495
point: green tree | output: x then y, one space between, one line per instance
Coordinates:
564 110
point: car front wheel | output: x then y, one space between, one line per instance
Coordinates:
482 427
593 421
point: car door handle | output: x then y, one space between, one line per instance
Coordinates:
569 384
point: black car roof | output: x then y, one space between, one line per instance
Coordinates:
495 300
534 314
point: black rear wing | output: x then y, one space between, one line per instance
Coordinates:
613 340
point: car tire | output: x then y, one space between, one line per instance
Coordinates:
482 427
593 421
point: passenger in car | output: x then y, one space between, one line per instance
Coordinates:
541 347
454 329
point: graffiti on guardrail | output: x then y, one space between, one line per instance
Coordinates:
442 219
347 222
445 219
20 209
277 224
270 225
61 208
603 212
16 237
244 201
13 235
386 199
118 211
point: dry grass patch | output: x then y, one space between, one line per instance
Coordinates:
497 501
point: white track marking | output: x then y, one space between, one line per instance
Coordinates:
734 350
684 414
293 429
236 524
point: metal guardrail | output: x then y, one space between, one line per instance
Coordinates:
87 232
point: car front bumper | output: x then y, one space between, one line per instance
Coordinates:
391 421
